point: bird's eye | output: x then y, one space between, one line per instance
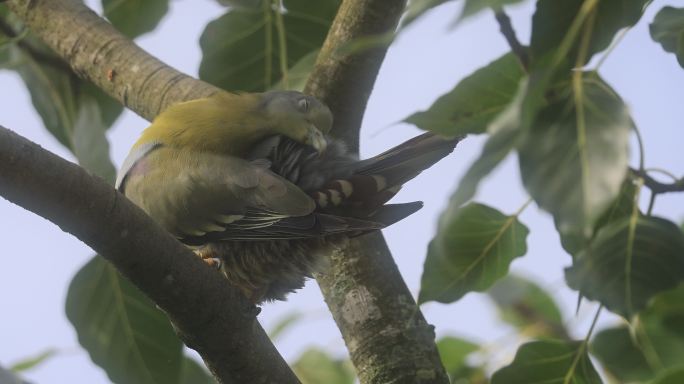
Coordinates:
303 105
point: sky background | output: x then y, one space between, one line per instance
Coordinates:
38 260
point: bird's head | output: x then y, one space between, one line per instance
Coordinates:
298 116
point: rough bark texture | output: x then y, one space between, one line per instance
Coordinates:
99 53
221 326
388 339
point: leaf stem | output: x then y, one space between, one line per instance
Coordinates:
656 186
642 153
282 41
506 28
268 69
582 348
578 93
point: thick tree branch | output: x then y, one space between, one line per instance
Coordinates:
99 53
221 326
388 339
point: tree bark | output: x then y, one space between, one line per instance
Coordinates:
96 51
221 326
388 339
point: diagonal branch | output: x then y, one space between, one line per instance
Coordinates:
99 53
388 339
221 326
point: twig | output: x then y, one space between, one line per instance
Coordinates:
656 186
509 33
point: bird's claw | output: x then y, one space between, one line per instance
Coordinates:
209 257
213 262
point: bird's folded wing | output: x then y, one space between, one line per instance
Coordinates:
204 195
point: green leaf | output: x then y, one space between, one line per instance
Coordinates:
553 19
417 8
121 329
194 373
240 49
667 28
473 248
623 205
549 361
453 352
477 100
33 361
621 355
473 7
135 17
298 75
242 3
90 145
317 367
505 133
592 153
284 324
629 262
528 307
673 376
57 93
655 344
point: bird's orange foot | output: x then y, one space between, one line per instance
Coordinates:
209 257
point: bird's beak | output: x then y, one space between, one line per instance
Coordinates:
316 139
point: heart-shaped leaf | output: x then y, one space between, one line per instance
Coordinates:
473 248
553 22
629 262
135 17
475 101
123 331
668 29
549 361
241 51
588 141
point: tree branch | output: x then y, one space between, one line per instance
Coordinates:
221 326
509 34
388 339
99 53
656 186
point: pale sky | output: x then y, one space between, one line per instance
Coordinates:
426 61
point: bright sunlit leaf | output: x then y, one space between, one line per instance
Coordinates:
553 21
